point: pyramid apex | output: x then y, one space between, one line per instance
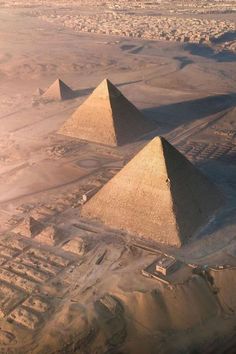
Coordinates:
156 144
159 139
161 143
56 81
60 81
106 89
162 139
106 80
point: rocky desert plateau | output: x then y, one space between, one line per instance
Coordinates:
118 176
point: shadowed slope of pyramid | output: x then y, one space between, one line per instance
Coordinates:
58 91
159 195
107 117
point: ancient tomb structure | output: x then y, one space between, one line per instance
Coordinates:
107 117
28 227
49 236
58 91
159 195
166 265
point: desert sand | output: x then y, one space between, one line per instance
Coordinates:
74 284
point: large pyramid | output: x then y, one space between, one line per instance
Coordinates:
58 91
107 117
159 195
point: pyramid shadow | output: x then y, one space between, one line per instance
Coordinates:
82 92
184 61
224 178
173 115
225 37
87 91
206 52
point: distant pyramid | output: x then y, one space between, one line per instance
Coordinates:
107 117
58 91
39 92
159 195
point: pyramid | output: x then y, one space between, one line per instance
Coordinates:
107 117
48 235
159 195
58 91
76 246
39 92
28 227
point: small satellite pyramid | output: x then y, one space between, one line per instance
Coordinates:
107 117
49 235
159 195
58 91
28 227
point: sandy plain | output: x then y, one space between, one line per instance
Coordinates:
56 295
